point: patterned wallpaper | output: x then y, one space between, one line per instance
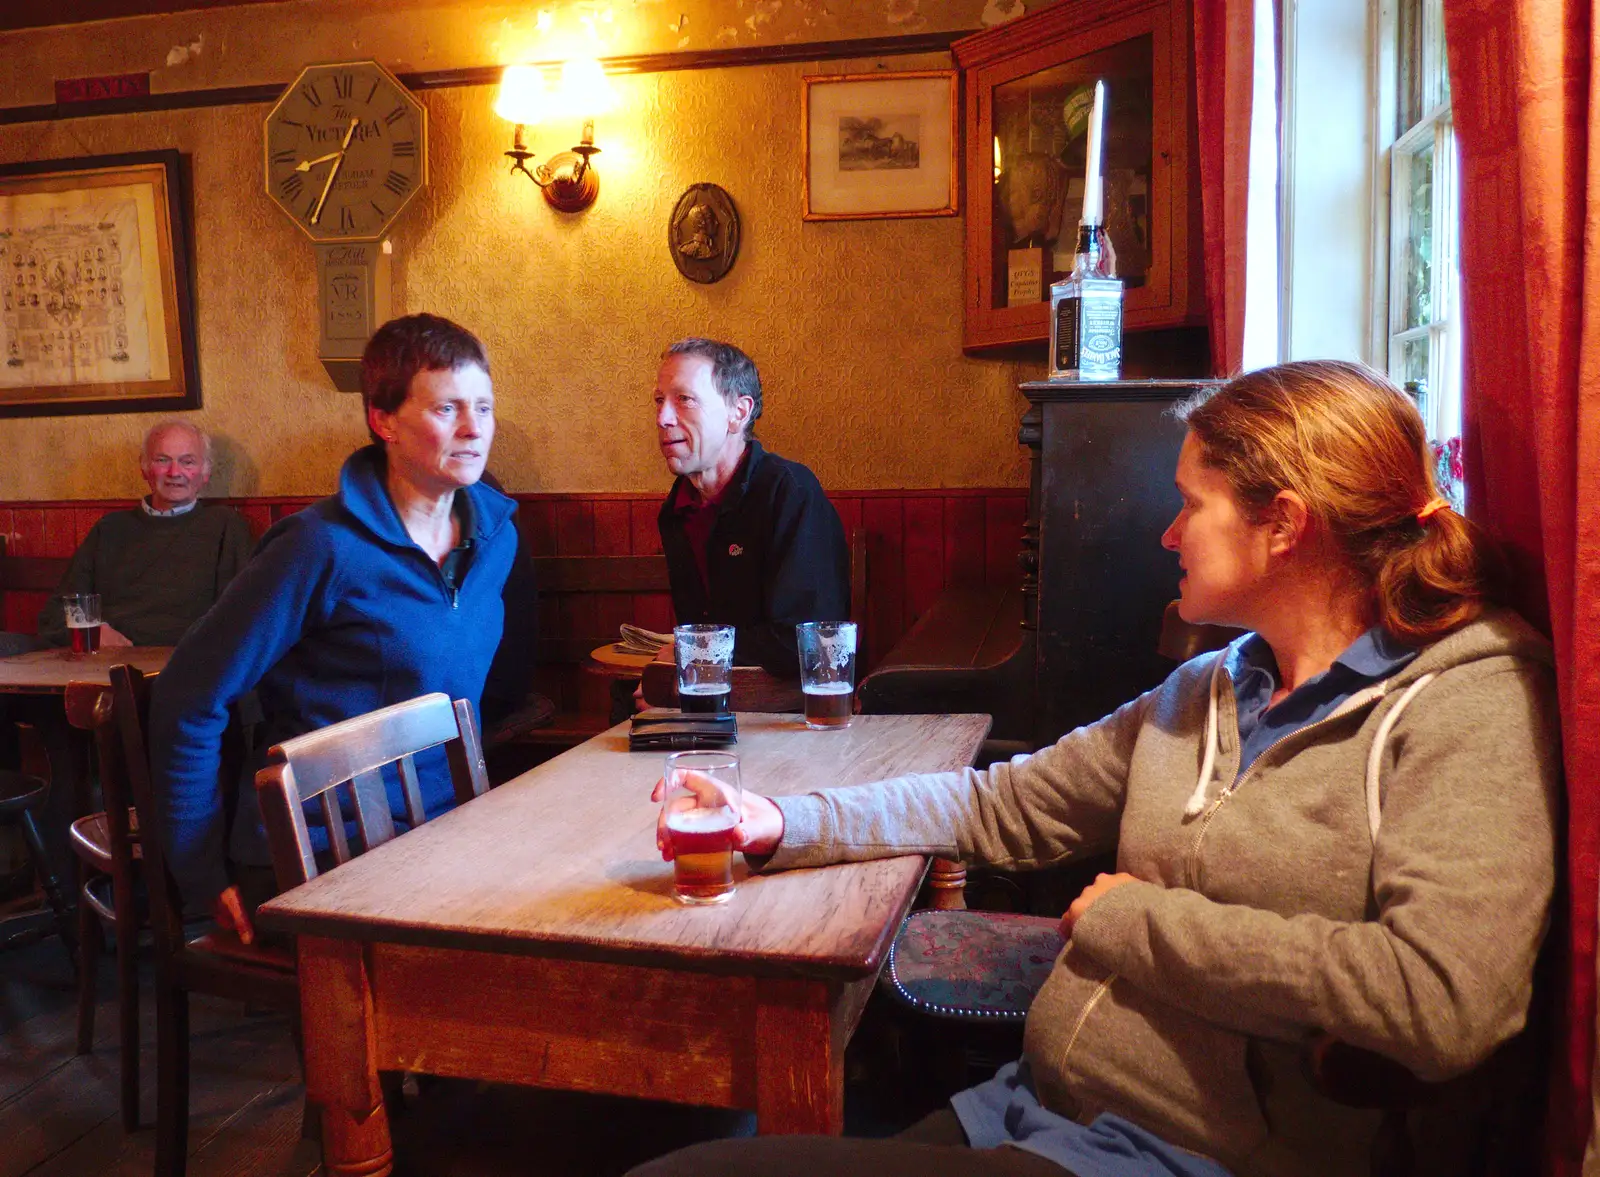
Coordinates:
855 325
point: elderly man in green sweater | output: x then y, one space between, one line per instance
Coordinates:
161 565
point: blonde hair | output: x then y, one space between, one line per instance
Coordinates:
1353 447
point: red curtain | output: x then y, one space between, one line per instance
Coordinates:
1527 113
1224 49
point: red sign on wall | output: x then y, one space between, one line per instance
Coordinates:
99 89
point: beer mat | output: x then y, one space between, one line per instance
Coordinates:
637 640
661 730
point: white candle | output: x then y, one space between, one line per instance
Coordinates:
1093 214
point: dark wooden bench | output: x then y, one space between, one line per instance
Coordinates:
962 654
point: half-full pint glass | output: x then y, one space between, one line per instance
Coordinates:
82 611
827 671
702 805
705 668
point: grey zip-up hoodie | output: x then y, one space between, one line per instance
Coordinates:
1383 874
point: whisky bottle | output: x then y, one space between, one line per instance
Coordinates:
1086 313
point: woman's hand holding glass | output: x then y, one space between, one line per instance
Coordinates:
760 827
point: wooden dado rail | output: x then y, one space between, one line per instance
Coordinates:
919 542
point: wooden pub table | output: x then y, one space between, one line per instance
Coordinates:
531 937
48 671
36 683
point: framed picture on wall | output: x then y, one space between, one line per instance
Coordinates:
95 307
880 145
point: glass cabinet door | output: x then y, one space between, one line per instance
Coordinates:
1029 92
1041 132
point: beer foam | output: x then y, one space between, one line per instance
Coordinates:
704 688
828 688
701 821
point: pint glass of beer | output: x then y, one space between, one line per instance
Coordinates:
827 671
705 668
83 621
702 806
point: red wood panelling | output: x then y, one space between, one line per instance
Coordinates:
537 518
965 551
84 518
574 528
258 516
612 528
884 522
27 532
919 543
1003 538
645 535
923 557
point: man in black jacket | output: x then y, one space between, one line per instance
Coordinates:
750 539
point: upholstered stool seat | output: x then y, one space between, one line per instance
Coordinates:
971 966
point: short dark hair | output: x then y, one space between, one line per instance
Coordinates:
733 373
405 346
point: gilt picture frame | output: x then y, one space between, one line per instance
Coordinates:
96 307
880 145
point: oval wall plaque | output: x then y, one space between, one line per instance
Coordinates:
703 234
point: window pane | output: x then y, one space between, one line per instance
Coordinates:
1414 369
1424 75
1418 196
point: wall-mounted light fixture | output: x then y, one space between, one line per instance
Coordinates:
568 179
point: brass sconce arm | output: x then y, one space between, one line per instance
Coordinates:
568 179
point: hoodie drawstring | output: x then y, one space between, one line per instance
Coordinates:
1375 753
1208 763
1196 804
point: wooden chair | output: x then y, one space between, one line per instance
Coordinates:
352 755
107 846
217 963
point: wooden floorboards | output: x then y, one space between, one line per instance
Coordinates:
59 1112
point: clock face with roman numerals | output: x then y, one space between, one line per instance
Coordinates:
346 149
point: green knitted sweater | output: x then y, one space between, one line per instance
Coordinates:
156 575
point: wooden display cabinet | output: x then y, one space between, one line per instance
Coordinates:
1029 86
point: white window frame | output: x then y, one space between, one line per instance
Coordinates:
1391 175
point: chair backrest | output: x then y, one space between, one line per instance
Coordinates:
351 755
124 756
88 707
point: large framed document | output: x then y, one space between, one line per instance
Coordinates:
96 314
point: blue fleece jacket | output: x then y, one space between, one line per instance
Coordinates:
338 612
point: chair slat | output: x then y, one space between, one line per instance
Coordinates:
293 860
356 751
374 822
338 753
411 790
334 821
467 767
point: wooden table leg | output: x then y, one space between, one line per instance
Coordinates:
799 1059
340 1060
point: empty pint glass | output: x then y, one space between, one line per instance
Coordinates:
82 612
702 805
827 671
705 668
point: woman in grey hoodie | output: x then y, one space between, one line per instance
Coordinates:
1343 823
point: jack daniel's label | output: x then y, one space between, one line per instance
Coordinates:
1088 331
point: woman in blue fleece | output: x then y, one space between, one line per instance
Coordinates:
387 590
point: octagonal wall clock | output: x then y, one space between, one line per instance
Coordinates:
345 149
